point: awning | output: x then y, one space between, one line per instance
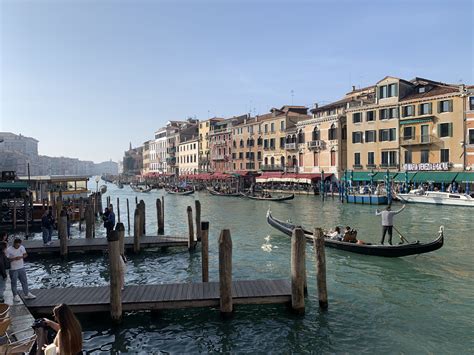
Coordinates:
380 176
12 189
465 177
358 175
292 177
401 177
435 176
417 120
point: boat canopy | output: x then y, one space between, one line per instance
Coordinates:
435 176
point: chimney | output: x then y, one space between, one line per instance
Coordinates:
353 88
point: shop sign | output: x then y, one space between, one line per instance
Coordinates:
426 167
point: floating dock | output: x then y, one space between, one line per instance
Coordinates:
156 297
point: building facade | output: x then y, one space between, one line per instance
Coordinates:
246 150
469 128
158 153
204 149
188 156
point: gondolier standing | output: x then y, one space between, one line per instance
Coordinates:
387 221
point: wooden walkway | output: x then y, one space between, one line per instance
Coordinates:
155 297
100 244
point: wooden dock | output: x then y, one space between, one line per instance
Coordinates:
156 297
34 247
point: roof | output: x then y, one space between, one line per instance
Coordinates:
435 91
338 103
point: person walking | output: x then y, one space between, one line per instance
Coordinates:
387 221
16 254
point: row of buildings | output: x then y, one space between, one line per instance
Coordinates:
395 124
18 152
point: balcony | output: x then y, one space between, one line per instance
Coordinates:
250 166
171 150
317 144
290 146
220 157
219 143
357 166
371 166
418 140
272 168
389 166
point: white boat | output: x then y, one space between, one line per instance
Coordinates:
437 198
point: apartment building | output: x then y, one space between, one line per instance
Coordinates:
146 157
204 151
246 148
188 156
410 125
158 149
469 128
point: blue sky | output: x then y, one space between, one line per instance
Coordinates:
87 77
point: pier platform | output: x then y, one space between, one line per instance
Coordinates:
156 297
35 247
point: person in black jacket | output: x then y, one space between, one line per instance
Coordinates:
4 265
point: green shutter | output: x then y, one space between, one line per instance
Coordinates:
450 105
450 129
440 106
430 108
396 90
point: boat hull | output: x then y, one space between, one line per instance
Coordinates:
183 193
366 249
410 198
215 193
275 199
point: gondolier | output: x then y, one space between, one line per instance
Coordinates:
387 221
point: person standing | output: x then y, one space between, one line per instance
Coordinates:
387 221
110 220
51 224
45 222
4 265
16 254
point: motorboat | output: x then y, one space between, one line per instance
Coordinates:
437 198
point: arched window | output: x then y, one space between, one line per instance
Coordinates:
282 161
316 134
290 162
272 161
288 139
332 132
266 160
259 141
241 143
295 161
251 142
248 142
234 144
300 136
293 138
333 157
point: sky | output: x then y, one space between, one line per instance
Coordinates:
87 77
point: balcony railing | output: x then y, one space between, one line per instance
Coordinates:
290 146
357 166
371 166
272 168
317 144
417 140
250 166
389 165
219 157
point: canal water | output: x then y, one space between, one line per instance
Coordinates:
412 305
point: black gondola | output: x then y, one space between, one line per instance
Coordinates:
217 193
367 249
187 192
276 198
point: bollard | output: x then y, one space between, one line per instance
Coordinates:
137 230
118 210
128 216
163 212
225 273
321 268
191 244
298 270
62 234
115 276
120 228
142 216
159 217
81 213
89 220
205 251
198 220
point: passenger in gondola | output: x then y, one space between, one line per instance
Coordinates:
336 234
350 235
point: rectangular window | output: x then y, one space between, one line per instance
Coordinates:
282 125
393 112
408 157
259 155
392 90
357 117
445 106
386 135
371 158
265 143
425 156
408 111
233 156
425 109
382 92
272 127
370 136
356 158
265 128
241 155
408 133
471 103
383 114
370 116
356 137
282 142
471 136
444 155
316 159
272 143
333 157
445 130
389 158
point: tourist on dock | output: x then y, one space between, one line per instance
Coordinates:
16 254
4 266
387 221
51 224
109 219
68 339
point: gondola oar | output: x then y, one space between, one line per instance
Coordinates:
401 236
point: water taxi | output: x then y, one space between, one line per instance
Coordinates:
437 198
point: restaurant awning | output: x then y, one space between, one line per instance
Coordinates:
358 175
465 177
435 176
380 176
12 189
400 177
291 177
416 120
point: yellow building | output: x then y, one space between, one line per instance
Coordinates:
411 125
188 156
204 149
469 129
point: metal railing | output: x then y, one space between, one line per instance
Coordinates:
290 146
414 140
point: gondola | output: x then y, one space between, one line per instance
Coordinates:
217 193
188 192
140 189
413 248
277 198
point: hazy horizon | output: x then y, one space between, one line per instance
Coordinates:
87 78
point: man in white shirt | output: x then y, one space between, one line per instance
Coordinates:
387 221
16 254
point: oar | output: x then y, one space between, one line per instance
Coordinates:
400 235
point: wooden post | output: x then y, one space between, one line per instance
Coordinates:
27 220
143 216
118 210
225 272
321 268
298 270
198 220
159 217
120 228
81 213
62 233
163 212
191 244
137 228
136 200
128 216
89 220
115 277
205 251
14 215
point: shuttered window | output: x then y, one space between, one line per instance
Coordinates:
445 106
445 130
425 109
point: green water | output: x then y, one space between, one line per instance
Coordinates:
411 305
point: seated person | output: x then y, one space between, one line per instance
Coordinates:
336 235
350 236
